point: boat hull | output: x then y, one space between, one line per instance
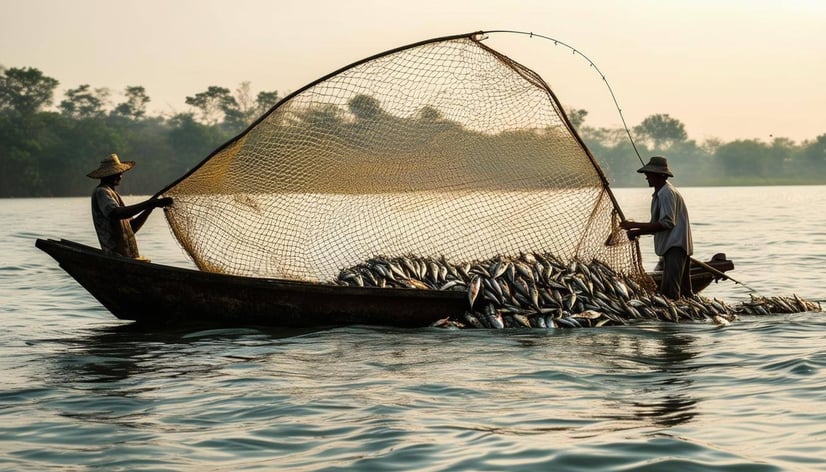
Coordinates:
158 294
154 293
701 277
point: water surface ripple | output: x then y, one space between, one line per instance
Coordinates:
83 391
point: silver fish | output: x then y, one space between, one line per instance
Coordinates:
396 270
473 320
571 301
522 320
525 271
583 287
621 289
497 269
473 289
567 322
494 317
492 288
589 315
450 284
534 295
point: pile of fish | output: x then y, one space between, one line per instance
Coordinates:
768 305
538 290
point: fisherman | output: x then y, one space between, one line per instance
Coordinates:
671 229
116 223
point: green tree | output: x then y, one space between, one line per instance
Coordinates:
326 117
577 117
23 129
19 170
83 102
26 90
192 141
214 104
743 158
264 101
812 157
71 147
365 107
661 131
245 110
134 107
690 162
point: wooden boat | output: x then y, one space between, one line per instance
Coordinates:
148 292
701 277
153 293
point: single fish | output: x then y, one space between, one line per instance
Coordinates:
410 269
589 315
473 289
494 317
621 289
414 283
525 271
567 322
450 284
396 270
473 320
521 320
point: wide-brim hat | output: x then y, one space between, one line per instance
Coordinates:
656 165
111 166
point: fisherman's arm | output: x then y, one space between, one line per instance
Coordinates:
666 211
636 229
142 210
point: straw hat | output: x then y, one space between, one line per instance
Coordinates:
111 166
656 165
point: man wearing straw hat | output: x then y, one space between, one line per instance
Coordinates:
116 223
670 226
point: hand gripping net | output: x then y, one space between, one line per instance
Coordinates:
445 149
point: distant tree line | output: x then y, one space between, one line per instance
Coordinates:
47 152
711 163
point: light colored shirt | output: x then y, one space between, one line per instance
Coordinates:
115 235
668 209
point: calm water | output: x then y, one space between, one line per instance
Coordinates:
80 390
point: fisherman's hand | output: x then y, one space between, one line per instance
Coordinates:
627 224
163 202
633 234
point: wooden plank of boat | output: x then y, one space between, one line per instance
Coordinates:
154 293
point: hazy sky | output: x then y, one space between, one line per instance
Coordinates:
731 69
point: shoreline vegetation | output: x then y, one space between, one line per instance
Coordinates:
46 150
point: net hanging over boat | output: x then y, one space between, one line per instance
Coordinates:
444 149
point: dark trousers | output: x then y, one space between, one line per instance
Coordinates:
676 280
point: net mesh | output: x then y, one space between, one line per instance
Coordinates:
443 149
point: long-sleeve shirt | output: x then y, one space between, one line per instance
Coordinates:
668 209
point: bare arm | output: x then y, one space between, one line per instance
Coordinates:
636 229
142 210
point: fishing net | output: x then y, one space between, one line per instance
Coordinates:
444 149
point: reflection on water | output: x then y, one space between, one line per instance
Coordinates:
668 401
647 378
115 353
643 373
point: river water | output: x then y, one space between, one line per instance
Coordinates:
80 390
